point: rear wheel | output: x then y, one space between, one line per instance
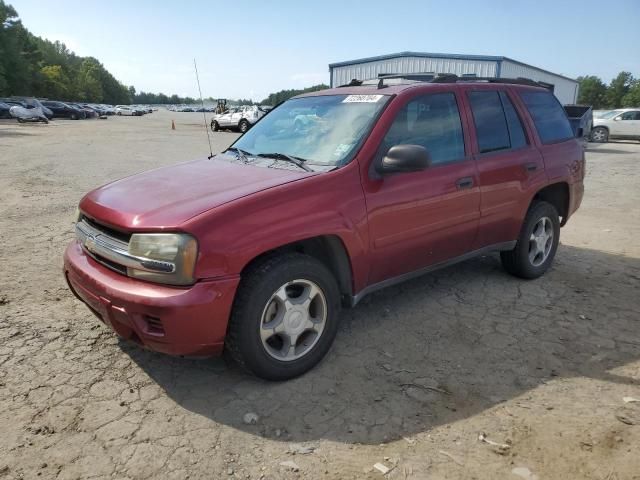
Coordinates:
537 244
243 126
285 316
600 135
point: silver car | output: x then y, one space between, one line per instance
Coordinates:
619 124
241 118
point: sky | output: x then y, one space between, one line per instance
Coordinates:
250 48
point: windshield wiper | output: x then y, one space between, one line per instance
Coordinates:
289 158
242 154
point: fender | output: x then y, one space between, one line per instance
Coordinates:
232 235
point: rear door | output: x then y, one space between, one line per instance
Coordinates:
628 124
422 218
510 167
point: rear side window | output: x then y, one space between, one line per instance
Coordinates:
630 116
516 132
491 125
548 116
432 121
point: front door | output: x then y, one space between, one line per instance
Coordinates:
422 218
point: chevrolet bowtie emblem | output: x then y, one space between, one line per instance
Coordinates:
90 244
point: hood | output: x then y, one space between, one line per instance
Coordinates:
167 197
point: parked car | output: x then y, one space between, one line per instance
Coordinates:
256 249
31 102
99 109
88 112
28 113
127 110
240 118
623 124
4 110
63 110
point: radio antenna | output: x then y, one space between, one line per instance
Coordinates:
204 116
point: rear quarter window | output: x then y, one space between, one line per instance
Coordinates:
548 116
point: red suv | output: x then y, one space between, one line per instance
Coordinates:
329 197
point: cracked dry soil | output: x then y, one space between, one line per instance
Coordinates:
417 373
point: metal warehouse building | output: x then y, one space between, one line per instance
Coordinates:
566 89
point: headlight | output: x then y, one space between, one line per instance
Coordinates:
171 256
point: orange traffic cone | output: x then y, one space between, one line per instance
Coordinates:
173 125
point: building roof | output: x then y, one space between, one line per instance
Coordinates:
452 56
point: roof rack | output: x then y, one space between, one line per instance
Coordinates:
444 78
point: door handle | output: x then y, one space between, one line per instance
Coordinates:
530 167
466 182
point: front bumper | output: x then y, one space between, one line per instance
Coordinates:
178 321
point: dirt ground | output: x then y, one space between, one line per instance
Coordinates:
418 371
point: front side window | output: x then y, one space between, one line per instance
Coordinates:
322 130
432 121
548 116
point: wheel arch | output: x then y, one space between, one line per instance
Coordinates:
557 194
328 249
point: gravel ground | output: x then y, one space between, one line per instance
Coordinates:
418 371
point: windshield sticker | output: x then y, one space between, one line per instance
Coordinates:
362 98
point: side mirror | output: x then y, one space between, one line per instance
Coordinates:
404 159
617 119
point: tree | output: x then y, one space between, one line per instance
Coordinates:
282 95
55 82
592 91
89 81
618 88
632 97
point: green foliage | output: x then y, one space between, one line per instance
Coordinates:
623 91
632 97
159 98
592 92
32 66
282 95
618 88
55 83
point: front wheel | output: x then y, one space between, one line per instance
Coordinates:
600 135
285 316
537 244
74 116
243 126
214 126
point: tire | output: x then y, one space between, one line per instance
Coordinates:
600 135
119 113
519 261
243 126
20 120
256 305
73 116
214 126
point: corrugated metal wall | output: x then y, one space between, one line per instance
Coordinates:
565 90
370 70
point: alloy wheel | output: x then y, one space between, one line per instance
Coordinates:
540 241
293 320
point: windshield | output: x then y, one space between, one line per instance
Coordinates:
322 130
610 114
